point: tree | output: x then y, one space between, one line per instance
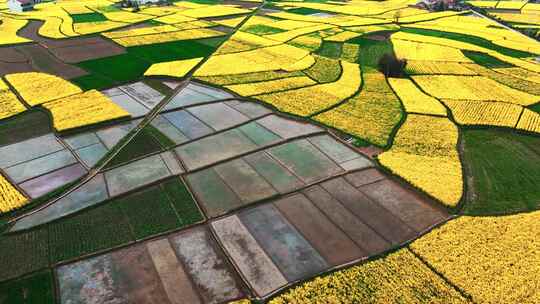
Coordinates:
391 66
397 15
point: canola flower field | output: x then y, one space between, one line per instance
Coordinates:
124 114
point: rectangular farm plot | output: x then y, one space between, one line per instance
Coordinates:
195 94
215 195
288 128
205 151
244 181
277 175
250 109
389 226
169 130
417 213
205 263
46 183
262 274
42 165
29 149
89 194
143 94
340 153
188 124
138 173
334 245
219 116
306 161
124 276
363 235
287 248
129 104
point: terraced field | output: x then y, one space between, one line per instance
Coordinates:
280 152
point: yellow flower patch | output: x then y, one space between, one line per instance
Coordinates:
421 67
414 100
214 11
309 100
256 88
141 31
343 36
399 277
529 121
9 28
10 197
249 77
471 112
494 259
511 80
520 73
9 103
230 22
258 60
289 35
74 9
350 51
83 109
371 115
127 17
308 42
37 88
168 37
174 18
425 154
85 28
178 68
472 88
411 50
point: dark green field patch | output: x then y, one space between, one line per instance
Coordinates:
468 39
28 124
505 169
261 29
22 253
93 82
149 212
486 60
330 50
304 11
372 51
34 289
120 68
535 107
182 201
170 51
90 17
97 229
142 144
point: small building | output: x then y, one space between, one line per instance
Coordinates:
20 5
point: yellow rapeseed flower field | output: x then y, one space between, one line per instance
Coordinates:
309 100
425 154
83 109
473 112
9 28
263 87
414 100
372 114
420 67
178 68
9 103
189 34
37 88
400 277
10 197
494 259
411 50
529 121
472 88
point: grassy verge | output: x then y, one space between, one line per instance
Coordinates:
90 17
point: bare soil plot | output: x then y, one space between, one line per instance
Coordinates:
43 61
187 267
325 225
72 50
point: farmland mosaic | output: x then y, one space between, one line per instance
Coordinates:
268 151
